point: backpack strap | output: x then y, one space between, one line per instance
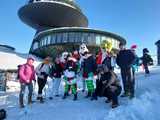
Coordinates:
41 66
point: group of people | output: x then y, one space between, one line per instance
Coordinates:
69 67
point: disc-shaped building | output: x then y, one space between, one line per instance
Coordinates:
61 26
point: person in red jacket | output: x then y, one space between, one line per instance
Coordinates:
26 76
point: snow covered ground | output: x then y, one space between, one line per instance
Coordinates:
145 106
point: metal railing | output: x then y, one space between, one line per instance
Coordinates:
70 2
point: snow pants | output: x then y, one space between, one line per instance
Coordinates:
128 80
73 88
90 85
146 69
41 85
56 84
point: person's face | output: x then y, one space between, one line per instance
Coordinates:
121 47
57 60
134 51
30 62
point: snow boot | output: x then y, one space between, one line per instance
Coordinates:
41 100
38 98
21 104
65 95
51 98
57 95
75 97
115 105
125 94
88 95
108 101
30 100
94 97
131 96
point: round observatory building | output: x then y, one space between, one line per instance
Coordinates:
61 26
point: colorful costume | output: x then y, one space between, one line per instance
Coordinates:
70 78
89 83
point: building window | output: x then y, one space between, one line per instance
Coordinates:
59 38
71 37
53 38
77 37
84 38
104 38
48 40
65 38
91 39
98 39
35 45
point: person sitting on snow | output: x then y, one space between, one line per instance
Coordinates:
70 78
108 86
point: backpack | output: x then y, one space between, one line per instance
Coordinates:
18 70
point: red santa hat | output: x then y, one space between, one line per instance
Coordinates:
133 47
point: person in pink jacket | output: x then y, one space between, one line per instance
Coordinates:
26 76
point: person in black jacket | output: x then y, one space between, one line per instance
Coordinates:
56 73
146 60
125 59
89 69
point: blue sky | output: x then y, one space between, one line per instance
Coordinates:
138 21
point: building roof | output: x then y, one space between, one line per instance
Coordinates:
51 14
7 47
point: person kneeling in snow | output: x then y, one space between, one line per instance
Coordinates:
108 86
70 78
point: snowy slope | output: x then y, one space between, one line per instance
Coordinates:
10 59
145 106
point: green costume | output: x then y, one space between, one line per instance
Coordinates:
90 84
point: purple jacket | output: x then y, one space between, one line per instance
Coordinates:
26 72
